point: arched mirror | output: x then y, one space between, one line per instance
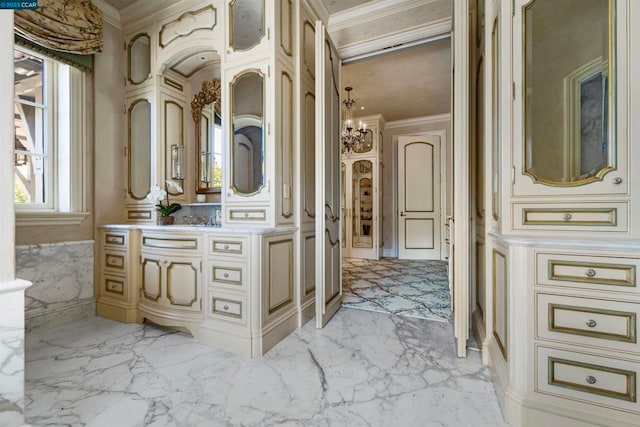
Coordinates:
247 136
205 109
247 23
139 148
139 59
569 98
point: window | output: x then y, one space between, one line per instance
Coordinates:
49 140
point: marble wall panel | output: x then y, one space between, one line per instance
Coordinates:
62 277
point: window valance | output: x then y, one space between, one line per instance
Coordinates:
71 26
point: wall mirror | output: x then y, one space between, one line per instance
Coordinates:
205 109
247 136
139 148
247 23
139 59
569 98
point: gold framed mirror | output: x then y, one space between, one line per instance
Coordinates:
247 23
139 59
139 148
569 91
208 138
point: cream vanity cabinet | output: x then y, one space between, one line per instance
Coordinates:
117 269
362 194
171 279
563 252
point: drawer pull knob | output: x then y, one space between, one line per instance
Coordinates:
591 323
225 275
591 380
590 272
617 181
226 247
567 216
226 307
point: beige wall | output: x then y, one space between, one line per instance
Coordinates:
389 159
110 132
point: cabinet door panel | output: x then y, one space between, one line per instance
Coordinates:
151 278
183 284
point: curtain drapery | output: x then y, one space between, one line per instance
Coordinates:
72 26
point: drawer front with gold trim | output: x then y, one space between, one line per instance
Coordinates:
258 215
115 239
142 215
230 246
227 275
592 272
589 322
182 243
592 217
115 262
114 286
595 379
231 308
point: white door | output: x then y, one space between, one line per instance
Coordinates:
328 230
419 214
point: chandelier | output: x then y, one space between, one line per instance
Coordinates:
352 139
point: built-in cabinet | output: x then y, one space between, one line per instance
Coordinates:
562 245
361 171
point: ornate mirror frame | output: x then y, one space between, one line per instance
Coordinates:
210 93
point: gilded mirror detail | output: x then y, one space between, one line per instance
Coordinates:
139 59
139 149
209 156
247 133
569 91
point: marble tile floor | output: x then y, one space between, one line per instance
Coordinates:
402 287
362 369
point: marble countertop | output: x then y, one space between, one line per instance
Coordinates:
568 242
200 228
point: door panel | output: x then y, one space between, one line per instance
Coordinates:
328 229
419 216
151 278
182 284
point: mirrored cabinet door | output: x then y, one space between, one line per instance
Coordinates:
570 86
139 59
205 110
139 149
247 23
247 133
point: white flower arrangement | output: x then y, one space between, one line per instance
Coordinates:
156 194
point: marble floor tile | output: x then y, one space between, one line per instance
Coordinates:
362 369
402 287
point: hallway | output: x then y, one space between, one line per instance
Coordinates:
413 288
364 368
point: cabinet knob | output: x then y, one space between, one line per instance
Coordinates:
590 272
591 379
617 180
591 323
226 247
226 307
567 216
225 275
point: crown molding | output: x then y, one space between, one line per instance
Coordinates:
319 8
418 121
371 11
109 13
400 39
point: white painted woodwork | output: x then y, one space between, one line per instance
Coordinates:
328 233
419 201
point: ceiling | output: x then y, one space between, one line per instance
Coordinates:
408 83
332 5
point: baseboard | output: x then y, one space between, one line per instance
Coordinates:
389 253
306 312
117 311
62 314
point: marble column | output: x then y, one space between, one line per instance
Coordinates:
11 290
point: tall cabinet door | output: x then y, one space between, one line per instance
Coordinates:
362 205
328 230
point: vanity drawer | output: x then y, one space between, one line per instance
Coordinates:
588 272
227 307
230 246
589 378
227 275
115 239
180 243
115 262
588 217
589 322
114 286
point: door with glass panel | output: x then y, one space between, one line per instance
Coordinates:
360 207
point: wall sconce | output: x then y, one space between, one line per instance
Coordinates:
20 159
177 161
205 167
